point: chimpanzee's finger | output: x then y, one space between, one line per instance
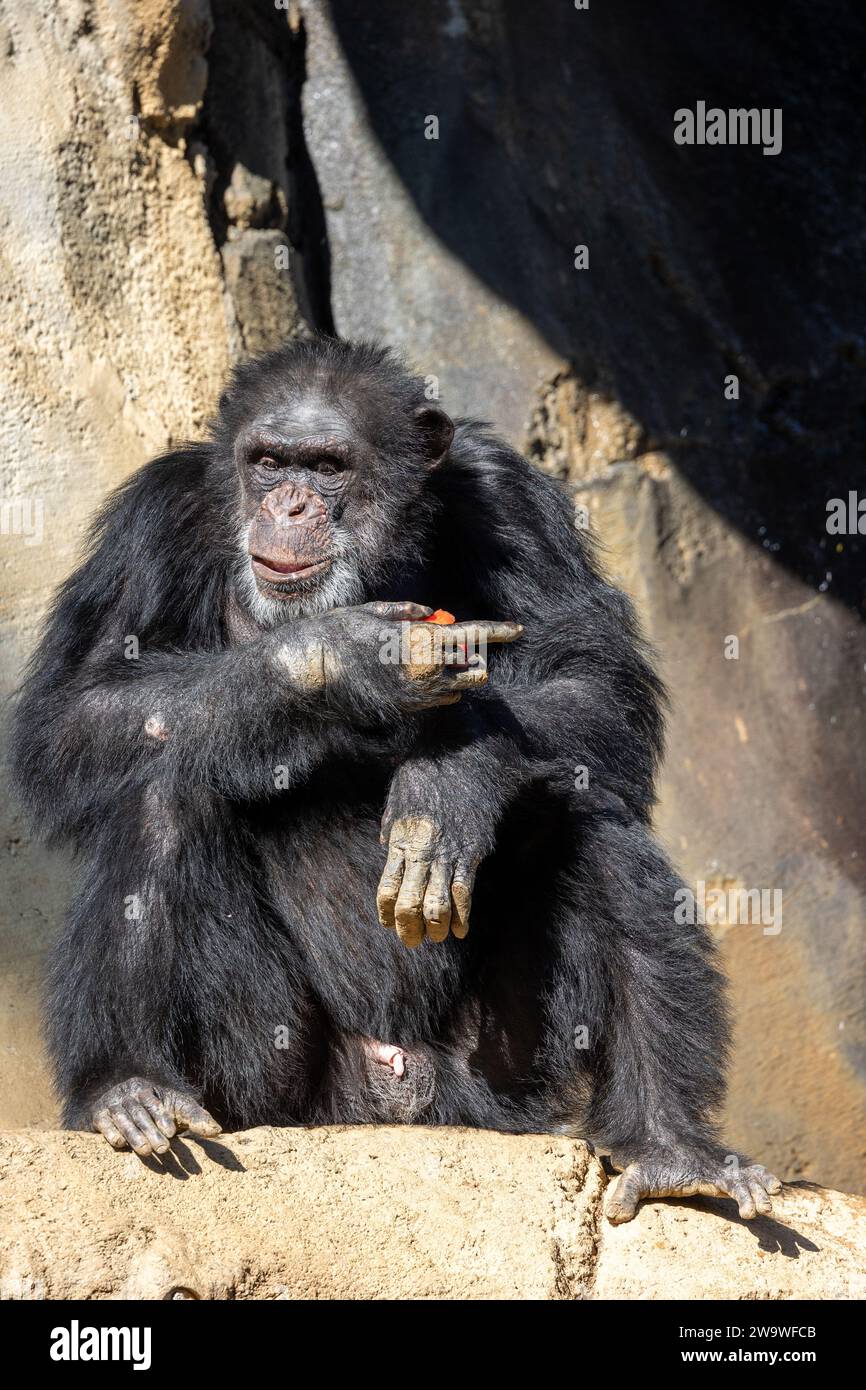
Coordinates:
461 897
475 634
437 901
471 676
389 886
137 1113
193 1117
408 911
104 1125
130 1131
399 612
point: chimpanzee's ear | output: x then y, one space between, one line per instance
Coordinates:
435 433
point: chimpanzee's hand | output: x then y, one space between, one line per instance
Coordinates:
383 656
144 1116
437 833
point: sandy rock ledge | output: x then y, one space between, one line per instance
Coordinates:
390 1213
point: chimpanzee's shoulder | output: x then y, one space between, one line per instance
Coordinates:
162 497
477 448
157 553
486 473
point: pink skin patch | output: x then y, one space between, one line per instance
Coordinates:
386 1055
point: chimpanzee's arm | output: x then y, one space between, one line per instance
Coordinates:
575 705
222 718
232 720
448 796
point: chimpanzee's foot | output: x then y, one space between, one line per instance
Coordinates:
684 1174
385 1054
144 1116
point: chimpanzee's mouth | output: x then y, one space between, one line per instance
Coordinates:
287 574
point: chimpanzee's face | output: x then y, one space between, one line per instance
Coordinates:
297 468
323 490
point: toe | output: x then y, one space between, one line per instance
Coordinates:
193 1117
160 1115
141 1118
105 1126
622 1198
130 1131
763 1205
769 1180
742 1195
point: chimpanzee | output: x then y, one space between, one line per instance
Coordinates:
275 782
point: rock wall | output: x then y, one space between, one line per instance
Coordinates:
396 1214
114 339
138 261
184 182
555 131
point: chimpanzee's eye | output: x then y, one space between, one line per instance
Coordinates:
267 461
328 464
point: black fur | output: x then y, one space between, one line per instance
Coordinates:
259 905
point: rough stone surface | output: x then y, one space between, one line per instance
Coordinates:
814 1246
391 1213
392 279
329 1213
153 158
759 790
259 292
114 343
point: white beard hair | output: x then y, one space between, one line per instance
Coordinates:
341 587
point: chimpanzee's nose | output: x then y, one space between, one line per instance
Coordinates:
303 506
291 503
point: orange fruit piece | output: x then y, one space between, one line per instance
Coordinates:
442 617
